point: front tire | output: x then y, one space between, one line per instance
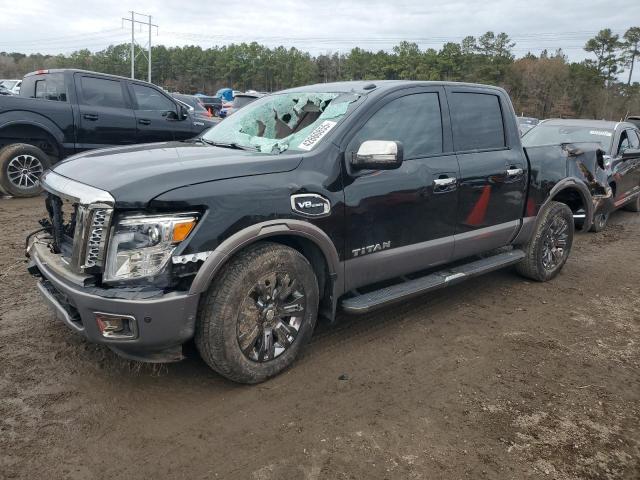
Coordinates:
21 166
258 313
549 248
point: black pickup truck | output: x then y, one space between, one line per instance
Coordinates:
350 195
62 112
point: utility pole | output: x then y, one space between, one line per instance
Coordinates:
149 55
133 48
150 25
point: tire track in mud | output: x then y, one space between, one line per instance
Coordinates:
453 384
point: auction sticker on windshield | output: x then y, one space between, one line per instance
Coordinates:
316 135
601 132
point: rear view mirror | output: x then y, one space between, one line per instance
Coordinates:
378 155
631 153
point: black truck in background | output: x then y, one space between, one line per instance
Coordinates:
62 112
353 195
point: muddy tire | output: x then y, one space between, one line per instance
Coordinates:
549 248
258 313
600 221
21 166
633 205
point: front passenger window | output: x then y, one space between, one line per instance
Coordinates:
414 120
149 98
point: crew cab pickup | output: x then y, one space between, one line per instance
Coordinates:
61 112
349 195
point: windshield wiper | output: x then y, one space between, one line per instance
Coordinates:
233 145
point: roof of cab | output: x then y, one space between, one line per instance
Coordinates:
88 72
367 86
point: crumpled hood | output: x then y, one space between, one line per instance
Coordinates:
136 174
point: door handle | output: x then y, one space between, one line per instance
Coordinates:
446 184
514 172
90 116
144 121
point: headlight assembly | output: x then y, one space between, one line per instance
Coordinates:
141 246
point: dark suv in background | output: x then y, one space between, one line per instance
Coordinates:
62 112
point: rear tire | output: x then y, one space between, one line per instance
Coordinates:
21 166
549 248
633 205
258 313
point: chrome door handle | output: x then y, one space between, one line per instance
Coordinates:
513 172
445 182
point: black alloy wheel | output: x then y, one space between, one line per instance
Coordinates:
270 317
554 244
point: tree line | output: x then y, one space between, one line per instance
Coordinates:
545 85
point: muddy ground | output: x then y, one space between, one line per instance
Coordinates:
494 378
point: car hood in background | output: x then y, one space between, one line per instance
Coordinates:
136 174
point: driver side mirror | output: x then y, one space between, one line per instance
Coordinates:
378 155
182 114
630 153
170 115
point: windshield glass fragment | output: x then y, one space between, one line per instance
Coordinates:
289 121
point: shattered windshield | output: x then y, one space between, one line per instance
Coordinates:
280 122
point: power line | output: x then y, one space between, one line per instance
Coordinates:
62 39
524 42
102 42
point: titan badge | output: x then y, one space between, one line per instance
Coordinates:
358 252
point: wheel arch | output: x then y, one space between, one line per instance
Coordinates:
574 193
308 239
23 130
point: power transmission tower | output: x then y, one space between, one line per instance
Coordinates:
150 25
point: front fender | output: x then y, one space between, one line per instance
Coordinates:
261 231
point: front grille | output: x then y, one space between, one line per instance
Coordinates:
97 234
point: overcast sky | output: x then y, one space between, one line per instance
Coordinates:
55 26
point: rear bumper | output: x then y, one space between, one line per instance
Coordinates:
164 321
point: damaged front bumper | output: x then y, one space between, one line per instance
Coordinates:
158 323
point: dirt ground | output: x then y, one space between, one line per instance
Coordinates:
495 378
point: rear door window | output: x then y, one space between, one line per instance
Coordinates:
477 121
102 92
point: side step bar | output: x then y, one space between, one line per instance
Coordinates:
411 288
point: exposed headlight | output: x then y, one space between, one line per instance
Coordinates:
141 246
